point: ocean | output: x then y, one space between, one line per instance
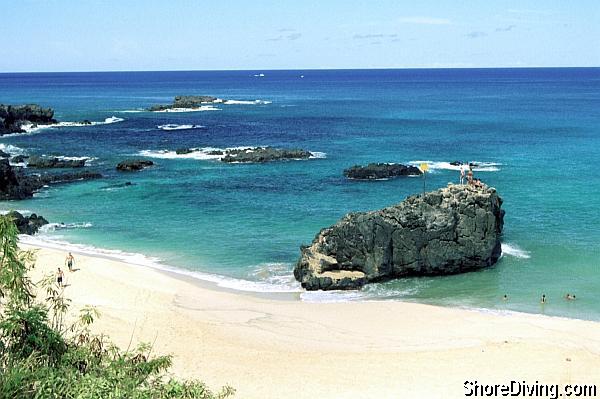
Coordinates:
535 133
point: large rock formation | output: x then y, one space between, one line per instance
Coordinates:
187 102
130 165
12 117
15 184
451 230
53 162
263 154
27 224
374 171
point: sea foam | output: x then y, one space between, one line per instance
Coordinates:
513 250
173 126
481 166
246 102
197 109
32 128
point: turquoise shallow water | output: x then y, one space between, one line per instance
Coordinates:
536 131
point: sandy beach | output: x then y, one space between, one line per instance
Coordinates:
285 348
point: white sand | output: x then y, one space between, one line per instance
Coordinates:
269 348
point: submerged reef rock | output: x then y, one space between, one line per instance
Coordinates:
16 184
448 231
374 171
53 162
27 224
188 102
250 155
13 117
130 165
263 154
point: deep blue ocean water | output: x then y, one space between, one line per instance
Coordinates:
535 131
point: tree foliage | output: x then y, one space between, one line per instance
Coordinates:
42 357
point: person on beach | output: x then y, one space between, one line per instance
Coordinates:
543 301
60 276
69 261
462 174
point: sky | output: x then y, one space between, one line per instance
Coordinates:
94 35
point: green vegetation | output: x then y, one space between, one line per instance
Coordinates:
43 357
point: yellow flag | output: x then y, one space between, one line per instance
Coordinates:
424 167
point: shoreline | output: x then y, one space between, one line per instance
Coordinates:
223 283
267 348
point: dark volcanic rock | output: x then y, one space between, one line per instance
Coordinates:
264 154
380 171
27 224
53 162
9 183
4 154
12 117
19 158
451 230
186 102
15 184
130 165
183 151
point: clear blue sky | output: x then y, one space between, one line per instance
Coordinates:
80 35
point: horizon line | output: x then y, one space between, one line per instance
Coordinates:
302 69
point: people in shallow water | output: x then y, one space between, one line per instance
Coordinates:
543 300
569 297
505 297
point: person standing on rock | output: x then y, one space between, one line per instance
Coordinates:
462 174
470 174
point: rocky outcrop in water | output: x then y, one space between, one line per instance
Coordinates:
53 162
12 117
131 165
16 184
448 231
188 102
263 154
19 158
374 171
27 224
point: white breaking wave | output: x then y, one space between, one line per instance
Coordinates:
481 166
513 250
205 153
32 128
173 126
246 102
11 149
197 109
50 227
131 111
21 211
197 153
